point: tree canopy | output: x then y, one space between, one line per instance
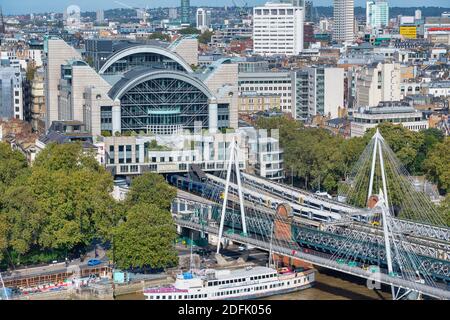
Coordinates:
205 37
63 202
146 238
58 203
189 30
151 188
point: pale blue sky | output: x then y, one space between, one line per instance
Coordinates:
29 6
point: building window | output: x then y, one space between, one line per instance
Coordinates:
137 154
111 154
121 154
106 119
128 154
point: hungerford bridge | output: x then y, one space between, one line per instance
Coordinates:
404 244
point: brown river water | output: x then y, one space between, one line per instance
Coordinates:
329 285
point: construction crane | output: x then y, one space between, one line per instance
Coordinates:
145 14
242 6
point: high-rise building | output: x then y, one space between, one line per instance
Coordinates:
2 23
278 29
57 52
319 91
377 14
344 19
203 18
11 93
309 9
100 17
185 11
418 14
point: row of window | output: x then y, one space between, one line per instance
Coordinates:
280 12
263 88
186 297
227 292
238 280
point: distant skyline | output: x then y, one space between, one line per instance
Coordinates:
38 6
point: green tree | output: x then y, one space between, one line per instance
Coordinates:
205 37
405 143
145 239
12 164
445 209
189 31
21 212
437 166
151 188
4 234
159 36
67 157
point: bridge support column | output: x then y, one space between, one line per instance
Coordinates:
283 231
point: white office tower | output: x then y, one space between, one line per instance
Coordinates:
377 14
278 29
100 17
203 18
344 17
418 14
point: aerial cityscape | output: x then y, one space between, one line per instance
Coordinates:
227 150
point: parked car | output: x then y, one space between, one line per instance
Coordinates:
94 262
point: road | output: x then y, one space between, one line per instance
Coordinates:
56 267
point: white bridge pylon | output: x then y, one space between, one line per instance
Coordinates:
389 227
234 160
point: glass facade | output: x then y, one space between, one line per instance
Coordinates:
223 119
163 106
106 118
144 59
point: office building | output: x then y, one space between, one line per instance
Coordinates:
309 12
100 16
269 83
278 29
203 19
185 12
319 91
2 23
57 53
365 118
377 14
11 93
344 20
378 82
252 102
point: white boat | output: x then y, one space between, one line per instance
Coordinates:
246 283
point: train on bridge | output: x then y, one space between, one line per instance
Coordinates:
213 189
